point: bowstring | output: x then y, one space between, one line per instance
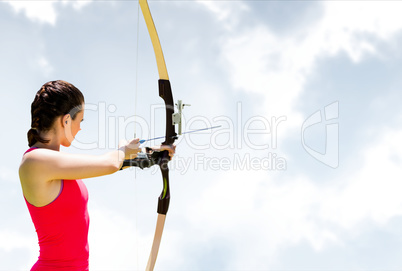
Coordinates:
136 72
135 135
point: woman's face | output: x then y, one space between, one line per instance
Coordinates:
72 127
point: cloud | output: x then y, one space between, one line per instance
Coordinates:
261 213
45 66
12 242
277 67
37 11
114 240
8 175
43 11
372 193
269 212
77 4
226 14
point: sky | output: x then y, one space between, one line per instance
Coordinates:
305 172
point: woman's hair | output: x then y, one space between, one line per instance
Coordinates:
54 99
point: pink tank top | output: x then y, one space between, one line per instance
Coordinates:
62 229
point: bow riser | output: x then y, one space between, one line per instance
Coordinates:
165 92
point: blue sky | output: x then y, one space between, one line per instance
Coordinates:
305 172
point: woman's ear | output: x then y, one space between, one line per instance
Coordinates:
66 118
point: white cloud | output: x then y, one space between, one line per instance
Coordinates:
115 240
44 11
227 14
269 212
253 210
259 61
12 240
373 192
8 175
380 18
44 66
77 4
111 240
37 11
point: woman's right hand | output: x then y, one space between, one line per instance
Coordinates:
131 148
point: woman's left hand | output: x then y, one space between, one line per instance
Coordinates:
170 148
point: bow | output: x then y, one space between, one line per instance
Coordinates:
165 92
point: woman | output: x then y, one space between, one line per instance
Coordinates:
50 179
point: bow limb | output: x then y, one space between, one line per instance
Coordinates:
165 92
157 240
160 60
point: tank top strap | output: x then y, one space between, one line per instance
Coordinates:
31 149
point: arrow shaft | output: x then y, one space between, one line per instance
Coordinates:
188 132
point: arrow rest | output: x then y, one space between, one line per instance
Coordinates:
177 117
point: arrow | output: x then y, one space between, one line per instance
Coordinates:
162 137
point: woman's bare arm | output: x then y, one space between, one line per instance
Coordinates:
46 165
49 165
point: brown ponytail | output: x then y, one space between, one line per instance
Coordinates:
54 99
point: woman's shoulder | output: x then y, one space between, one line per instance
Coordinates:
35 170
34 158
33 155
